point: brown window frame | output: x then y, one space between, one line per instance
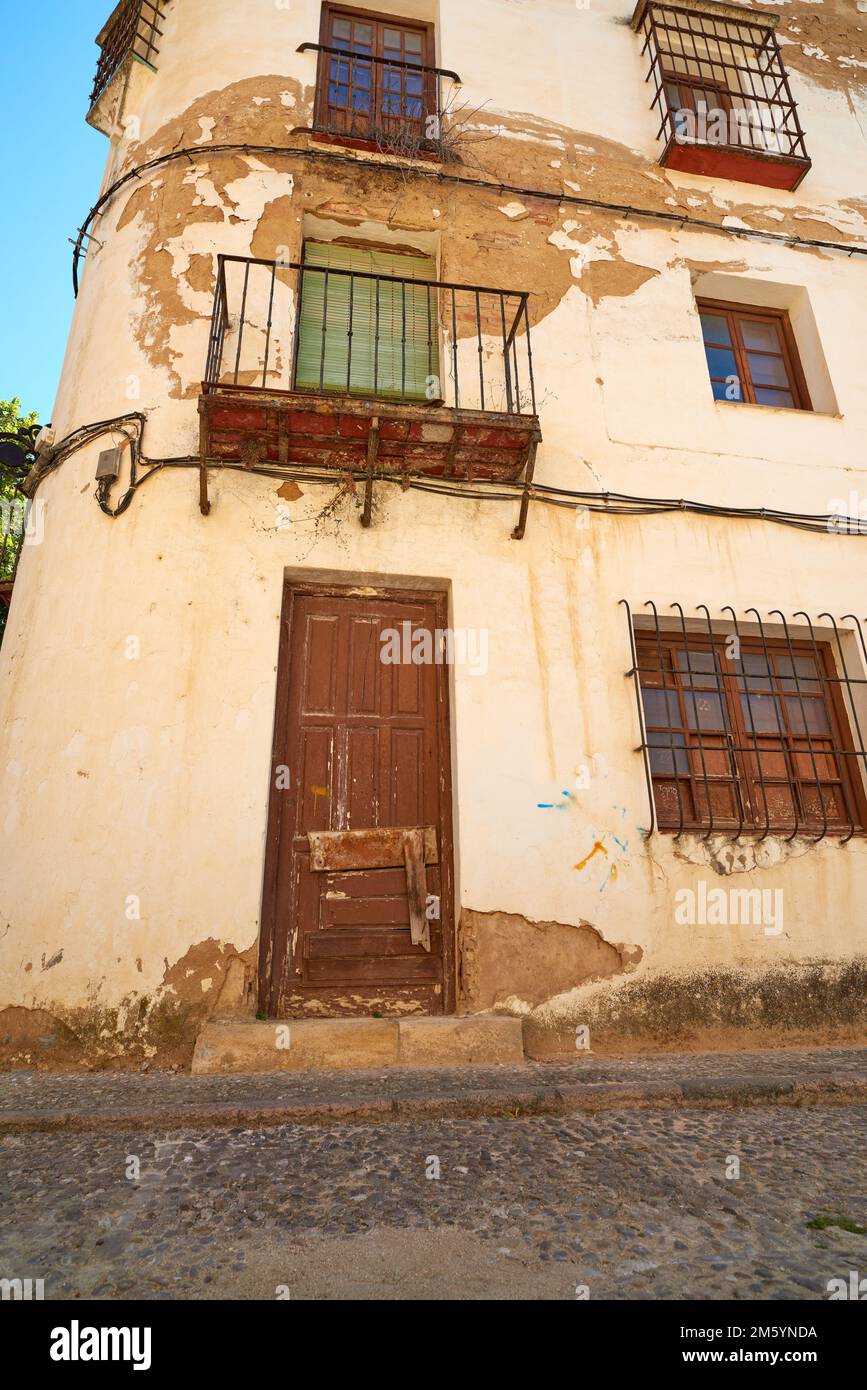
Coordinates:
735 314
753 761
376 18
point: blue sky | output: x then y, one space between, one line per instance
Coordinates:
52 166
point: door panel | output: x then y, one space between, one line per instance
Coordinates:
367 749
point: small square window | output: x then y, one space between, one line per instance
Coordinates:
752 357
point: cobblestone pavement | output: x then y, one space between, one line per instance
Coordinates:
48 1092
631 1204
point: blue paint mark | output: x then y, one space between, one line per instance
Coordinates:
623 845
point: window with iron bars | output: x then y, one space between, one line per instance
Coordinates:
722 92
134 28
756 729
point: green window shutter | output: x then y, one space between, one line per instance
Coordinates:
394 341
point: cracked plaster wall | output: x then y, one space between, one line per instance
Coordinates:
149 777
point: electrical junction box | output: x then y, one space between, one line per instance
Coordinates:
108 465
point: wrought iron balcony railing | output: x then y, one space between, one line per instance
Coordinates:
134 28
395 105
308 328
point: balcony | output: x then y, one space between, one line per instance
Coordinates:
328 368
383 103
722 93
133 31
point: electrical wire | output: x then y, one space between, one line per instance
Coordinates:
626 210
475 490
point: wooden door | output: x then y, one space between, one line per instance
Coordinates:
361 747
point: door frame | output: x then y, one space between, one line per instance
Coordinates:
338 584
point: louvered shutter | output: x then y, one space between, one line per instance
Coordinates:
392 350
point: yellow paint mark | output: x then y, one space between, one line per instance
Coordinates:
598 848
317 792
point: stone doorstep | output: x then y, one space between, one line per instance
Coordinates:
338 1044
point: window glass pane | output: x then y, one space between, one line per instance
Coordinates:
363 34
725 391
756 664
704 711
721 362
767 371
807 716
763 336
804 667
706 100
761 714
715 329
699 669
413 43
660 708
342 29
766 396
392 39
668 754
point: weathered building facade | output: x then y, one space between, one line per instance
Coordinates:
451 590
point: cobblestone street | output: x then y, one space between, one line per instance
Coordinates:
634 1204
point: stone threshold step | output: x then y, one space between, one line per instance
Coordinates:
338 1044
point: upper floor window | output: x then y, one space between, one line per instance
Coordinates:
133 30
722 92
376 79
752 356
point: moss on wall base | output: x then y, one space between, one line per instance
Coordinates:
794 1004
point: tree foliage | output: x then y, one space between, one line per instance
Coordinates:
12 501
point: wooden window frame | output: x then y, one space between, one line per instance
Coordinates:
734 314
740 743
353 12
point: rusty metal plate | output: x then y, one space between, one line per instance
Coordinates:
335 850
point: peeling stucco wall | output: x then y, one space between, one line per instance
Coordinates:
149 779
512 965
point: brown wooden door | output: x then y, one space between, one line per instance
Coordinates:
365 745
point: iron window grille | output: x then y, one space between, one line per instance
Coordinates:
718 77
751 725
133 29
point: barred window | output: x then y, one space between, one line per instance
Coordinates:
133 28
750 733
722 92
